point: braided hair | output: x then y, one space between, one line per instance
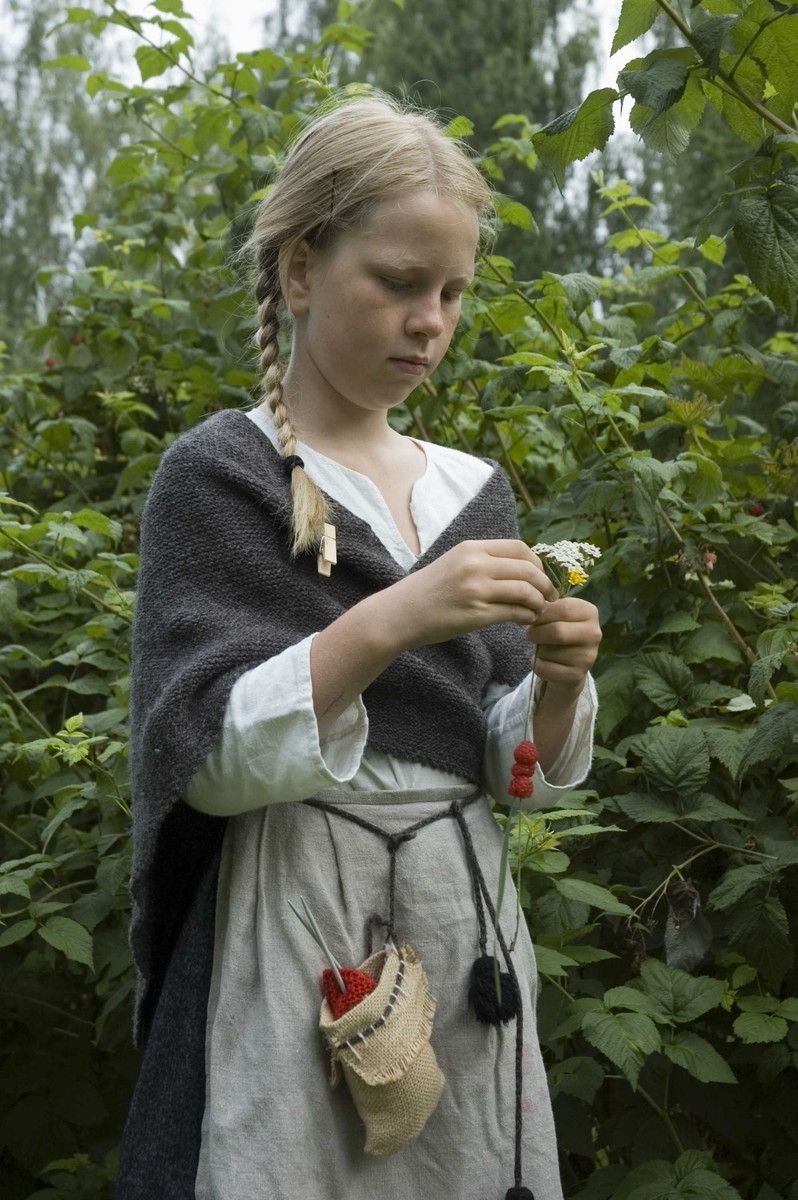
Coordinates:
345 161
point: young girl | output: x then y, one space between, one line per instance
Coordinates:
333 613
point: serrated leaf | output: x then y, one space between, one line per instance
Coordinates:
760 929
72 939
13 885
677 759
703 1062
15 933
753 1027
708 37
735 884
670 131
637 17
665 679
592 894
625 1038
552 962
775 734
615 687
677 994
657 86
766 231
572 136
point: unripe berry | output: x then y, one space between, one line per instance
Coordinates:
756 509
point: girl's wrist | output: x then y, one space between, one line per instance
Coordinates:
560 695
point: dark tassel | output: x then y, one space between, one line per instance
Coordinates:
482 996
519 1193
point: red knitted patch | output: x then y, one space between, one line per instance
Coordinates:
358 985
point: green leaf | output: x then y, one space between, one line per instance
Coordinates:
678 994
671 131
152 62
625 1038
777 47
657 86
692 1052
592 894
760 1027
72 939
552 962
512 212
760 930
460 127
580 1076
677 759
615 688
73 62
714 248
735 884
13 885
15 933
67 809
766 230
572 136
711 641
708 37
775 735
665 679
637 17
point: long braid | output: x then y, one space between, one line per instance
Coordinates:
309 507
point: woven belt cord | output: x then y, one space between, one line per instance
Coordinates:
480 887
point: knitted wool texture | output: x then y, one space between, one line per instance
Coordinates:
218 595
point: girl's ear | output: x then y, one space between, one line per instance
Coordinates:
298 279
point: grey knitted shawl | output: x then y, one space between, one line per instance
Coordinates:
217 595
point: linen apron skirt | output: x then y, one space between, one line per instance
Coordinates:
273 1128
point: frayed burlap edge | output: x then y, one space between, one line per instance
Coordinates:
410 1020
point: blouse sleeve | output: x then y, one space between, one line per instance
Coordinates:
270 751
506 711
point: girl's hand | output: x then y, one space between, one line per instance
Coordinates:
475 584
567 634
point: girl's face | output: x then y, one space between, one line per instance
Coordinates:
380 296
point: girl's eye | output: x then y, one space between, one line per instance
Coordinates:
396 285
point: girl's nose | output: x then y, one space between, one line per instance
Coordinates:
426 318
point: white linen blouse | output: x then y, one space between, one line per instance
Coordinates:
270 749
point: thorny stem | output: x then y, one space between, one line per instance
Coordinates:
43 1004
46 899
50 562
658 254
12 833
31 716
665 1116
722 845
45 458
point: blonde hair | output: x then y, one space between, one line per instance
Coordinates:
355 152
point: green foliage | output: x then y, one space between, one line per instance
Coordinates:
636 410
754 85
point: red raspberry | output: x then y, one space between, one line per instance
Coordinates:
358 985
51 362
76 339
526 752
756 509
519 769
522 786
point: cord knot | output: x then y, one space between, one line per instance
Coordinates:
395 839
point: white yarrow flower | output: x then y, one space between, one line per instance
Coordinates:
571 556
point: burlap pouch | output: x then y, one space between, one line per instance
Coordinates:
383 1047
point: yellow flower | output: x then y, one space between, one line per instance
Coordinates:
576 576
